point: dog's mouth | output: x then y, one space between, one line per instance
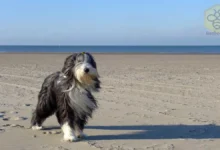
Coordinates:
90 82
88 79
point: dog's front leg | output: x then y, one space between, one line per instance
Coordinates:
68 132
66 123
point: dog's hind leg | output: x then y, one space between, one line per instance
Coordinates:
38 117
79 127
46 107
36 121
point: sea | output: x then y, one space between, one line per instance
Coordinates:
112 49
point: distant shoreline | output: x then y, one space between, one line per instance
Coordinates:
162 50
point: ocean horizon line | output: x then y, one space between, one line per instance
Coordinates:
107 45
111 49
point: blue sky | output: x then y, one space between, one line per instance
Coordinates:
105 22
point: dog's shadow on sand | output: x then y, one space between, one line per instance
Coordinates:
141 132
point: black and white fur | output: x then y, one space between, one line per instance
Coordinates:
68 96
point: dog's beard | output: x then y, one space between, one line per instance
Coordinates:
87 79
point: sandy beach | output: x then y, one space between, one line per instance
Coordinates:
147 102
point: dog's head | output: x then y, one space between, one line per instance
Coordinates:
82 67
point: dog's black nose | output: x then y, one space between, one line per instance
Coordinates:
86 70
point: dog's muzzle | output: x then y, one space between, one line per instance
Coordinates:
86 74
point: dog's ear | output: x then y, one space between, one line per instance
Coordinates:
69 64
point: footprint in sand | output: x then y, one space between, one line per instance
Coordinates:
5 118
27 105
18 118
16 125
13 112
51 132
2 130
13 118
6 125
13 125
1 115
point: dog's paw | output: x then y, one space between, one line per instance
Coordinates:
36 127
81 136
69 138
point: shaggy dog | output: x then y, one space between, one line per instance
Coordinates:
67 93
